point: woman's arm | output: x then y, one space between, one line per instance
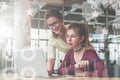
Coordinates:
95 64
50 65
51 57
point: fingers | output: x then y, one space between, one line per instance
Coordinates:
83 64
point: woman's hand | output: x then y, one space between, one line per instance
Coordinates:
82 64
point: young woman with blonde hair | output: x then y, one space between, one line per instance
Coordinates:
81 59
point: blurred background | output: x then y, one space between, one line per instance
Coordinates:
22 25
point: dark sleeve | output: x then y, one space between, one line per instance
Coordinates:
66 66
95 63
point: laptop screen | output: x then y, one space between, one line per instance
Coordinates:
30 63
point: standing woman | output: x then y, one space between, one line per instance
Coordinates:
81 59
54 20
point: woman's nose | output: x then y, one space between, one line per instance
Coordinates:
69 38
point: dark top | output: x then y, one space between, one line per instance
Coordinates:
95 63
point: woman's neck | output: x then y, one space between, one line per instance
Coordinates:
80 52
78 49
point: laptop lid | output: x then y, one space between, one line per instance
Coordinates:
30 63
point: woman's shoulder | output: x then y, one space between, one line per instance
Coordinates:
70 51
90 51
52 39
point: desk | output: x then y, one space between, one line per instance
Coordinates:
11 77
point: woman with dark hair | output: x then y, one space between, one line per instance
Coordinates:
81 59
54 20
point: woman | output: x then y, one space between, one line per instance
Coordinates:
54 21
81 59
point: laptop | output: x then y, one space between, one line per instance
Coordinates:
30 63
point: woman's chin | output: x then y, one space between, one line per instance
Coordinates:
56 32
70 46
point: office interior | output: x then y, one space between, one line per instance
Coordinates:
22 26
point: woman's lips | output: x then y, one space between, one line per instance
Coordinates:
70 44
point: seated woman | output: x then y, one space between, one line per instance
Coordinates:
81 59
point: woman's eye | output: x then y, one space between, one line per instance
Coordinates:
70 36
73 36
67 36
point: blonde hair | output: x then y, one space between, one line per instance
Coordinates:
82 30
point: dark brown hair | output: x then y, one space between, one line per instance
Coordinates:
53 12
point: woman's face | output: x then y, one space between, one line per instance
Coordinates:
54 24
73 39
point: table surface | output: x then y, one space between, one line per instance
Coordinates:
14 77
